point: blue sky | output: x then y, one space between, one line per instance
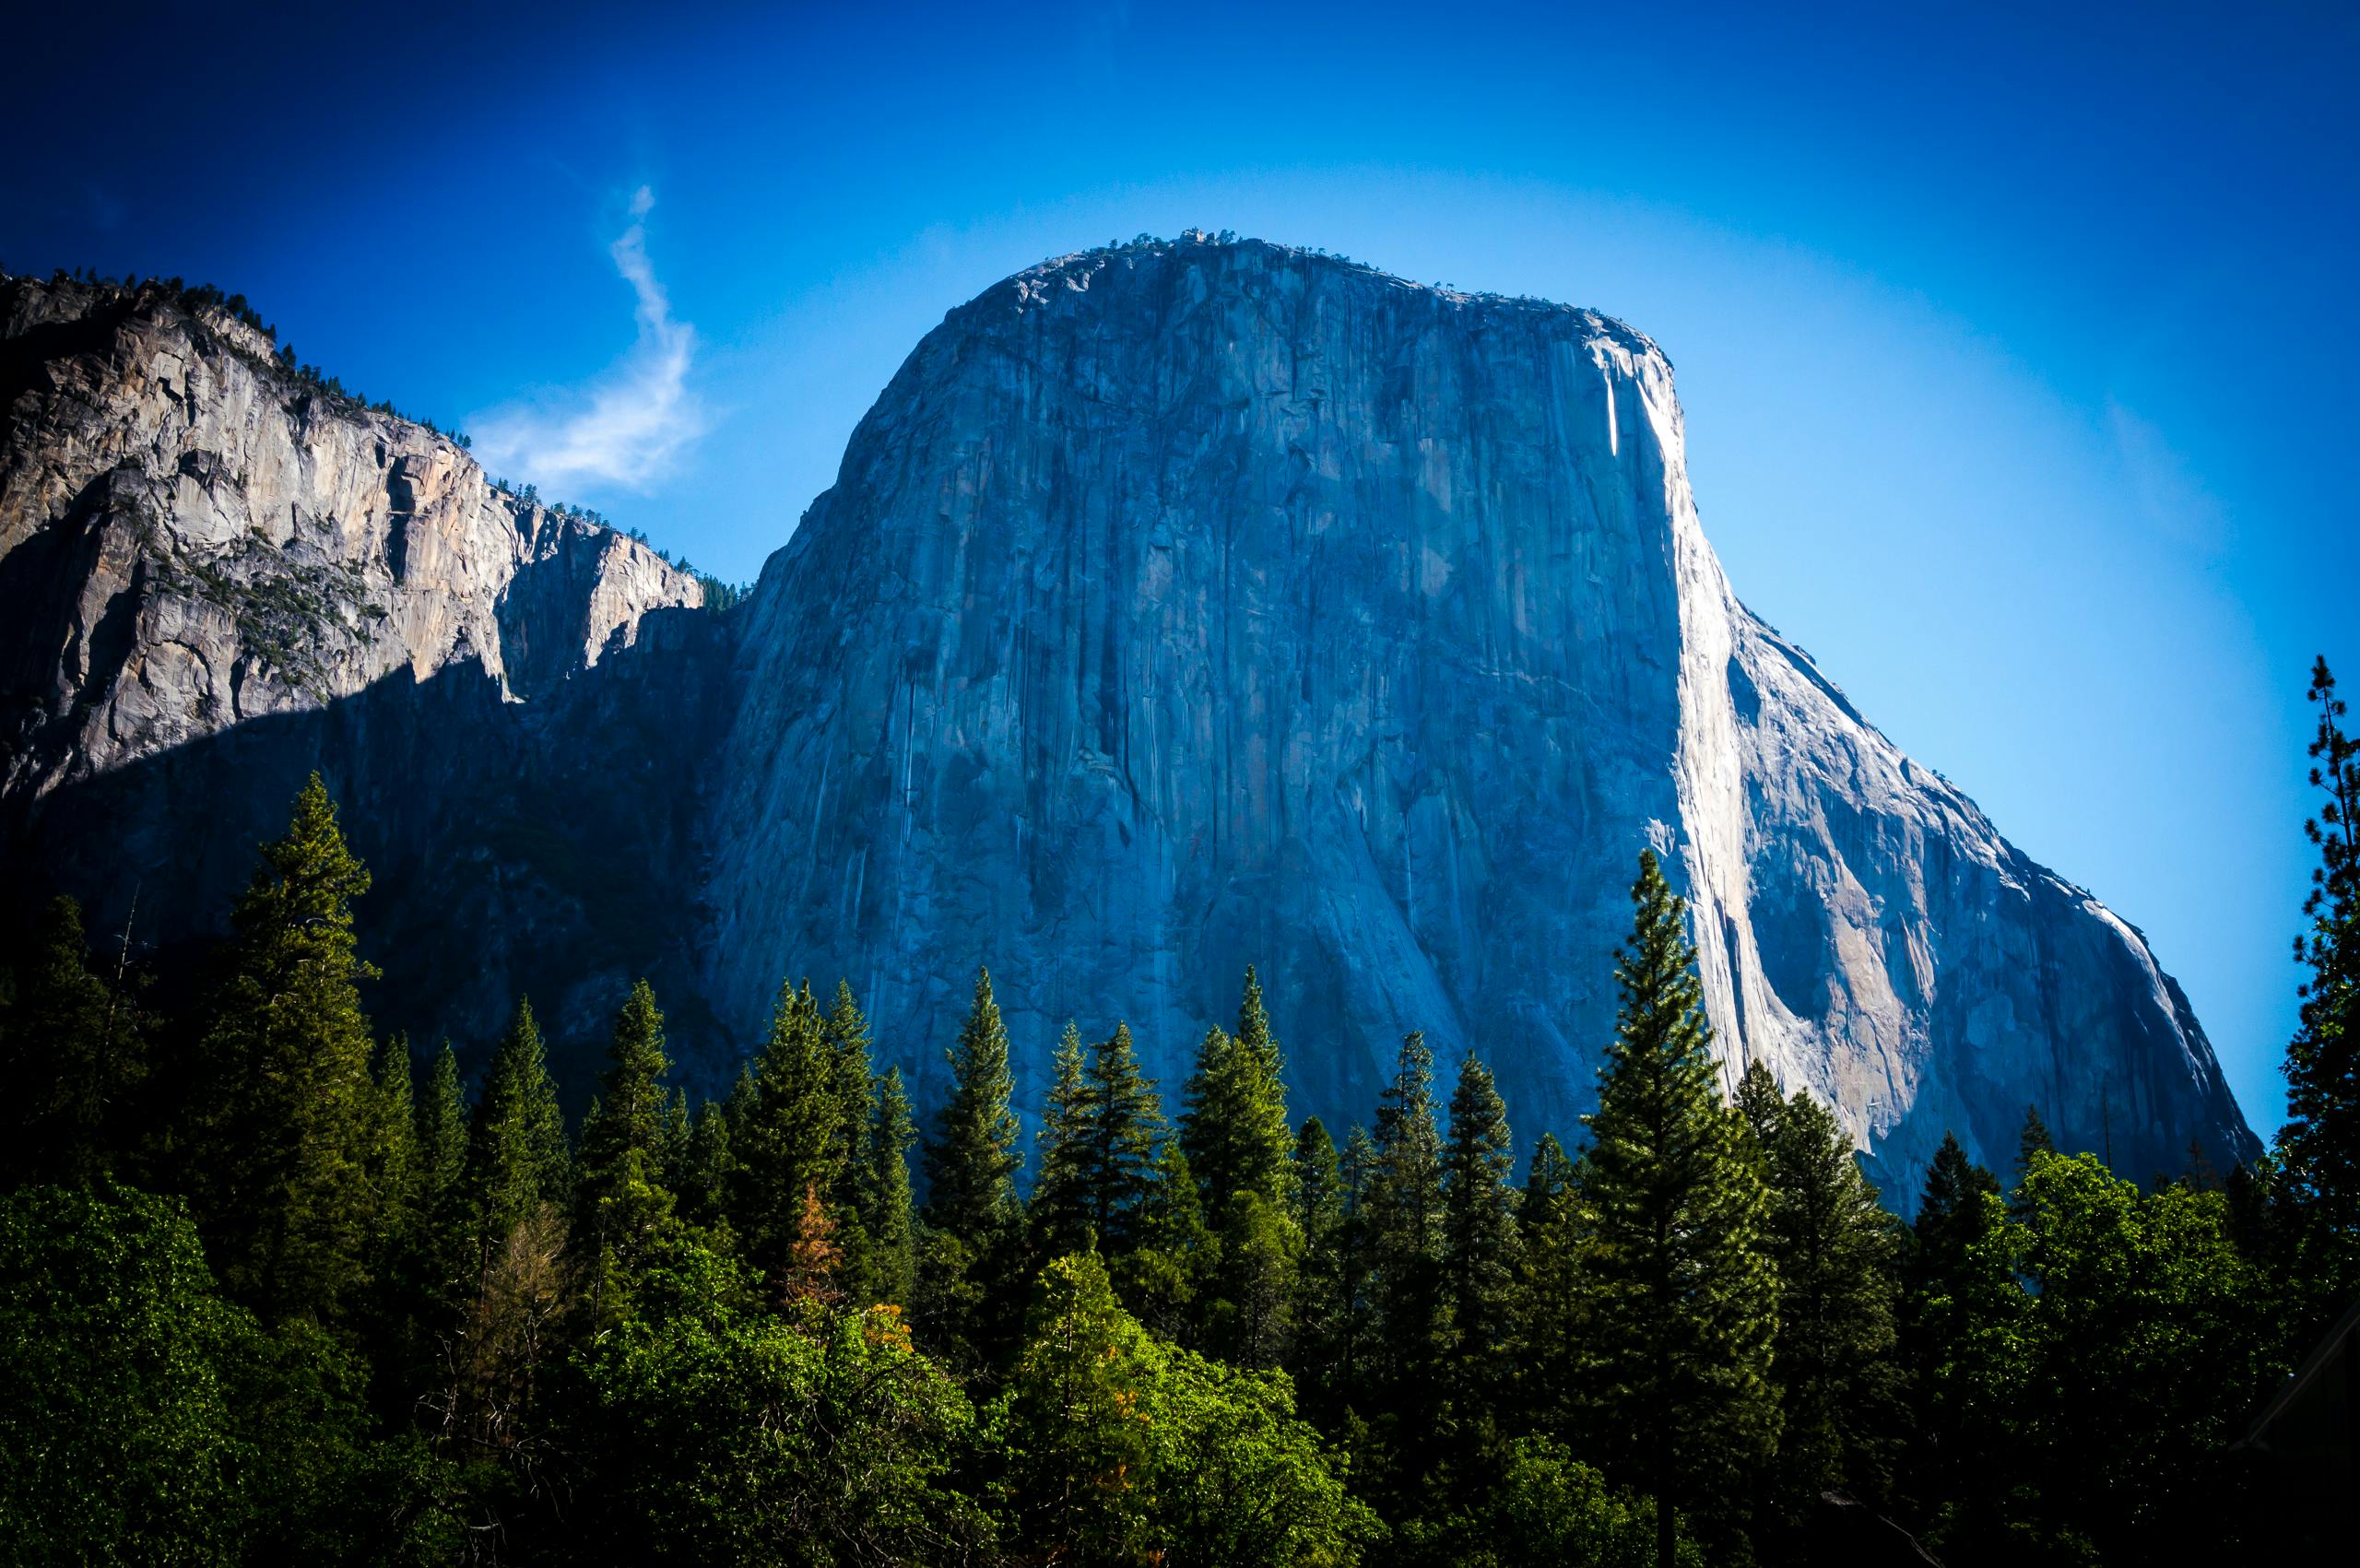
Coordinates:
2016 347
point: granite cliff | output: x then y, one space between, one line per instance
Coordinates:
1177 607
217 573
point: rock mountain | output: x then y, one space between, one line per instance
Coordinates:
1177 607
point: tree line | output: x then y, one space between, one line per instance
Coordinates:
274 1289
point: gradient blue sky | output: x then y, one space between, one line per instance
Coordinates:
2016 347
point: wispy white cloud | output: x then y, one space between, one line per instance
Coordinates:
626 427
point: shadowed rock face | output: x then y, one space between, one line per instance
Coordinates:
1178 608
1187 605
214 578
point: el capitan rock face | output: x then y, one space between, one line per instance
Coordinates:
1177 607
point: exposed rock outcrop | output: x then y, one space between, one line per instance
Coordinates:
216 573
1190 605
1177 607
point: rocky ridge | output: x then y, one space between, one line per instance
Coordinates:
218 573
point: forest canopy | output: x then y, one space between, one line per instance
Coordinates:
273 1287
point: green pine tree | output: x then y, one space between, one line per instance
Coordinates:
1357 1357
1403 1210
970 1163
2319 1147
72 1056
622 1205
1552 1298
1684 1302
1550 1178
1480 1240
397 1176
442 1133
785 1151
445 1228
673 1143
283 1115
2032 1140
1123 1127
1058 1210
889 1220
1319 1219
701 1182
1837 1251
856 1083
517 1159
1960 1287
972 1256
1164 1280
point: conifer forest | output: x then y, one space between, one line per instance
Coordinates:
277 1288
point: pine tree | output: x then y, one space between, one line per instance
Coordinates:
856 1089
72 1054
1164 1280
891 1225
973 1222
1948 1215
1123 1127
1553 1295
1479 1237
1761 1103
673 1143
789 1142
397 1179
1404 1214
1684 1304
2033 1139
1319 1215
1209 1127
1836 1250
1058 1211
282 1118
1950 1284
517 1159
442 1135
1236 1135
1550 1179
1234 1127
1356 1357
444 1222
701 1184
970 1163
2319 1145
621 1202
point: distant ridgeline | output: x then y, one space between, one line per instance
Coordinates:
203 299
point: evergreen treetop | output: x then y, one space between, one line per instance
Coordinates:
1058 1211
2319 1144
970 1163
516 1150
1684 1301
283 1118
1479 1228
